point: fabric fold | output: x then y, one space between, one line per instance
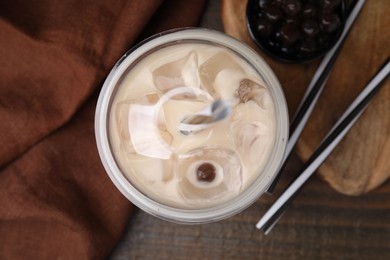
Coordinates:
56 201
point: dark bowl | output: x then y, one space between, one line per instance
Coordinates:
293 38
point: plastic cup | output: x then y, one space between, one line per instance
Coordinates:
139 197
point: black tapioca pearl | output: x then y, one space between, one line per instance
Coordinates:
274 14
329 5
206 172
329 22
309 10
289 34
310 28
264 27
292 7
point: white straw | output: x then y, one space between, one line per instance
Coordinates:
297 132
310 169
303 177
314 90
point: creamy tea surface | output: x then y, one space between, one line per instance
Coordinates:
196 169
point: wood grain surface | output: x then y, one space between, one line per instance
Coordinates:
320 223
361 162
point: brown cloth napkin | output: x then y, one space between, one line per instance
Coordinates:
56 201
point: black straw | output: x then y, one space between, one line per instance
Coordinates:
325 148
314 90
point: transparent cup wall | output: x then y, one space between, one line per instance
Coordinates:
177 214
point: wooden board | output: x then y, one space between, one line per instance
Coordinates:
361 162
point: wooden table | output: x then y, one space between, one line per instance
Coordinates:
320 224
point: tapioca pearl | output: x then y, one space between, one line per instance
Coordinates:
323 39
287 49
292 7
264 27
310 28
289 34
308 46
329 22
329 5
205 174
278 2
293 21
309 10
274 14
263 3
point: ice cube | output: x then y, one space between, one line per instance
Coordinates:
142 129
182 72
157 170
224 184
214 65
251 90
122 111
251 126
121 118
145 133
252 112
122 121
251 140
226 84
